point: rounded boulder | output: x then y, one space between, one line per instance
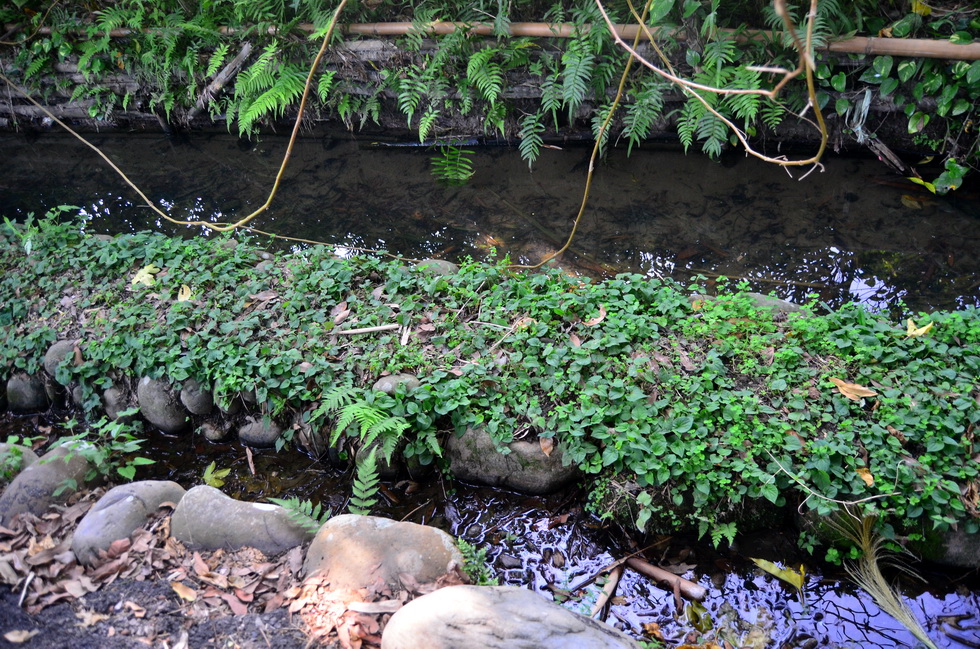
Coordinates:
161 406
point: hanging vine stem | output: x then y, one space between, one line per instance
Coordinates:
805 67
217 227
600 136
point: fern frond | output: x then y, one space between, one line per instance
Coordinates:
578 62
452 165
486 74
365 487
217 58
427 122
530 134
325 85
303 513
642 114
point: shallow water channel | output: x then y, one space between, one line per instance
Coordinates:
851 232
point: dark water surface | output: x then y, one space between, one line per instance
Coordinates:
854 231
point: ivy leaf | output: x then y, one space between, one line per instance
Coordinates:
852 391
915 332
927 185
790 576
920 8
145 275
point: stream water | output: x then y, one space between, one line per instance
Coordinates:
851 232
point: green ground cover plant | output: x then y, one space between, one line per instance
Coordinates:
681 409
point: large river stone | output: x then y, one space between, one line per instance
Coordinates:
25 393
495 617
206 519
474 458
161 406
119 512
352 552
33 488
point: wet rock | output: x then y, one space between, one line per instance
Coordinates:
354 551
25 393
114 401
438 266
507 562
474 458
389 384
215 432
774 303
206 519
495 617
196 398
14 458
160 405
952 548
33 488
118 513
228 404
260 434
56 354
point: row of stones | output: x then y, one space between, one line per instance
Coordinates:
349 552
474 457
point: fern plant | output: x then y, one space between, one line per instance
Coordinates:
303 513
354 408
366 483
452 165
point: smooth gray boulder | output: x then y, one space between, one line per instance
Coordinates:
206 519
25 393
33 489
262 433
951 548
161 406
474 457
495 617
114 401
438 266
196 397
353 552
120 511
389 384
56 354
14 458
776 304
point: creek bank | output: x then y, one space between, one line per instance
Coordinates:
727 404
351 564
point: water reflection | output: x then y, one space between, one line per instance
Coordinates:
853 232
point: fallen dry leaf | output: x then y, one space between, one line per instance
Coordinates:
575 340
184 294
19 636
88 618
599 318
852 391
547 445
915 332
866 476
184 592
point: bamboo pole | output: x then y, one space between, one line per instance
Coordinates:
910 47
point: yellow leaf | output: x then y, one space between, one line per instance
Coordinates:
852 391
792 577
919 181
184 294
915 332
145 275
184 592
866 476
885 33
921 8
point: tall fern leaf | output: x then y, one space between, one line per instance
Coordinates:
365 489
